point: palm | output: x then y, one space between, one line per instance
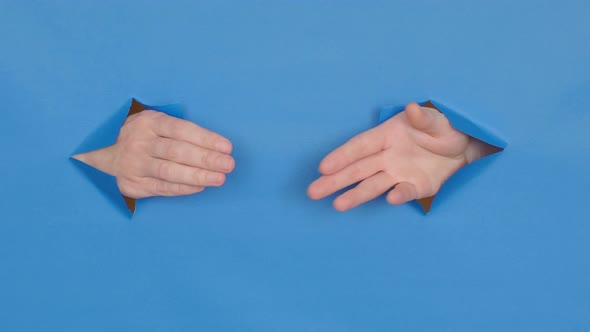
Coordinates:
415 151
425 157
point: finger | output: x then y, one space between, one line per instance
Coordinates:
365 191
162 188
426 119
147 187
172 172
402 193
188 154
329 184
183 130
360 146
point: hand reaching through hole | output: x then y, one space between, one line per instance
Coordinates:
414 153
159 155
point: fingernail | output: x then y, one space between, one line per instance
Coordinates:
223 146
214 178
225 163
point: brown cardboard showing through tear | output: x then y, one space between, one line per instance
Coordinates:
136 107
426 203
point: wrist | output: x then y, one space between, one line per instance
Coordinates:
101 159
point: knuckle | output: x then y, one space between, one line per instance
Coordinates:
164 170
172 124
159 187
216 161
144 119
133 146
151 116
136 166
171 150
150 113
197 177
207 138
205 158
158 120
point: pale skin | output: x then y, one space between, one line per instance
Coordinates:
414 153
159 155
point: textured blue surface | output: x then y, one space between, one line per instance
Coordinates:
505 247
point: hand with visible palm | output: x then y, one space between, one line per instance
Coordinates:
414 153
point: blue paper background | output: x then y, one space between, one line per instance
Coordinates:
505 246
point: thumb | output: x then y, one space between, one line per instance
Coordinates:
426 119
